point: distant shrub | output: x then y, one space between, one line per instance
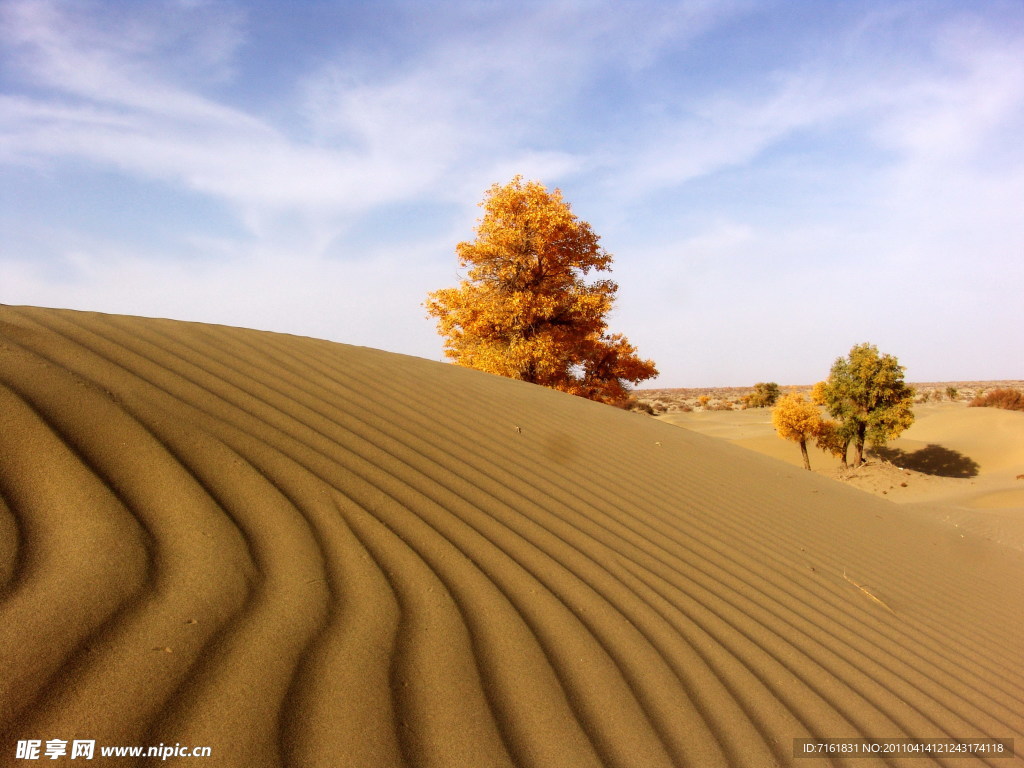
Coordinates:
633 403
1009 399
703 401
952 393
818 393
725 405
924 396
764 395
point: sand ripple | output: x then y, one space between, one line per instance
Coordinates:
310 554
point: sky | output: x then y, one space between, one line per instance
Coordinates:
776 180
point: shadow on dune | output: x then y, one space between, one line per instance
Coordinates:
931 460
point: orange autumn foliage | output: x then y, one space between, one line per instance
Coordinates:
797 419
525 311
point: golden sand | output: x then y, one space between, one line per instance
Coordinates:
304 553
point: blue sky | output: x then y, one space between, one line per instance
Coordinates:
776 180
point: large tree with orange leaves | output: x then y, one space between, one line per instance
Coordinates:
525 310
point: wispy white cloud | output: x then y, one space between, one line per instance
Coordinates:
917 245
130 57
477 103
108 105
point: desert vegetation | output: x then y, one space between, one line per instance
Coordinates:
866 393
796 418
1002 397
765 395
684 400
525 310
834 439
865 396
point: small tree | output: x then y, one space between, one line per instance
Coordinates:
866 392
525 310
764 395
796 419
832 438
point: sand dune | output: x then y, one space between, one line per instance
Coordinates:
958 465
309 554
988 440
993 438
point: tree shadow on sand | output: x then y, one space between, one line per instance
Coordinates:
931 460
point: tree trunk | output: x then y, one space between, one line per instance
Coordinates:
803 452
858 445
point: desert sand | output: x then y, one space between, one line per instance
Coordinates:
959 465
301 553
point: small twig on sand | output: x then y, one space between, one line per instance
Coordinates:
867 592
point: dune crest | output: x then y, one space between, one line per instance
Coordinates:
310 554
